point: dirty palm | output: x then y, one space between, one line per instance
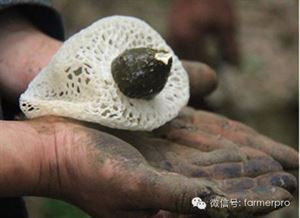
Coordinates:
119 76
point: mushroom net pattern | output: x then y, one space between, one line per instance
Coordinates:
78 83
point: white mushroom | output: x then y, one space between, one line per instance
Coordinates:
79 82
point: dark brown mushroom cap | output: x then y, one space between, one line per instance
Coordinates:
141 72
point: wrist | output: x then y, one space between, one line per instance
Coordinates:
22 158
33 157
41 157
60 149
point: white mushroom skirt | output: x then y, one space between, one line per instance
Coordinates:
78 82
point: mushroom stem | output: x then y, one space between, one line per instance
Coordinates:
141 72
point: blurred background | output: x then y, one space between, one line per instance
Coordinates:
253 45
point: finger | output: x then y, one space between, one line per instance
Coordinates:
251 153
249 168
246 199
203 80
194 138
235 185
156 149
199 118
196 157
286 155
174 192
280 179
215 157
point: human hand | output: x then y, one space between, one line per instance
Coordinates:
243 164
104 175
237 160
108 177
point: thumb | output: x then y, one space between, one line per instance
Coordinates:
203 79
